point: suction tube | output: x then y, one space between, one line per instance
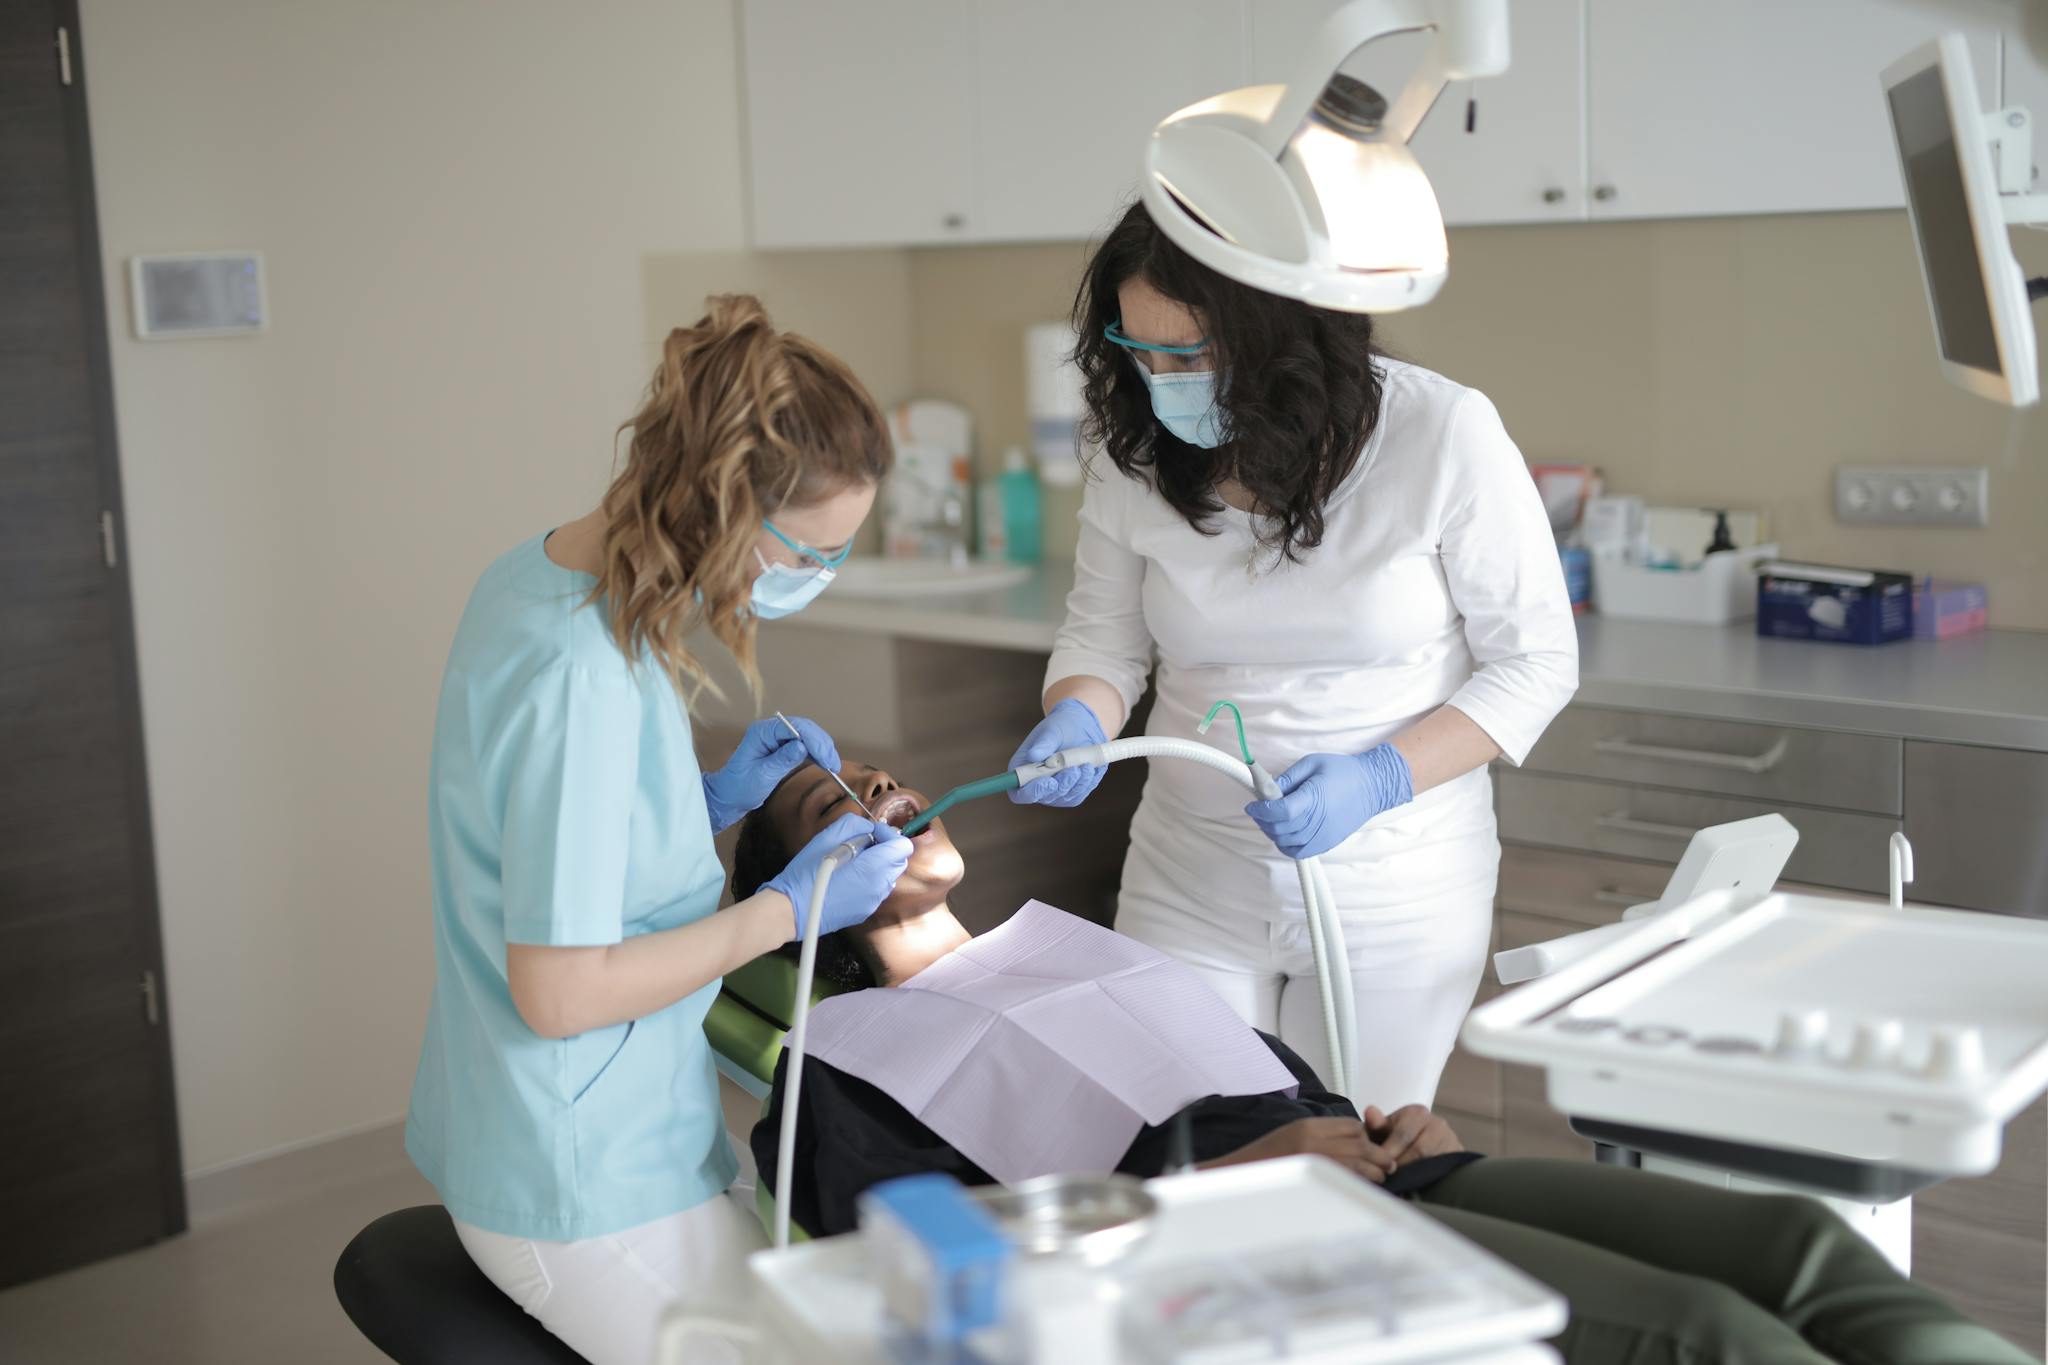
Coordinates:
799 1029
1325 931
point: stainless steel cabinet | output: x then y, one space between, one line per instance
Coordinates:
1603 807
1978 819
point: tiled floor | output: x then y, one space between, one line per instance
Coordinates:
253 1288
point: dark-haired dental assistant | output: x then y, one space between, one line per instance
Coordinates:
1351 549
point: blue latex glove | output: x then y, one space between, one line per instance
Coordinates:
767 753
1326 798
1068 725
857 887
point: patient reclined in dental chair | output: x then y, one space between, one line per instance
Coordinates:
1655 1269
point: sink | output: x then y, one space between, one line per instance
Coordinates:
875 577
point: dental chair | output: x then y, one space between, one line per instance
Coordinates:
410 1288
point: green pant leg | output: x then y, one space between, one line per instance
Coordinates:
1626 1313
1785 1253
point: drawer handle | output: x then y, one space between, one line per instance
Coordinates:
1614 895
1705 758
1621 822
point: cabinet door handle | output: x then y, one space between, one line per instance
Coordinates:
1621 747
1621 822
1614 895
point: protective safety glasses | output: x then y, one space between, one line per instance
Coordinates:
804 552
1143 351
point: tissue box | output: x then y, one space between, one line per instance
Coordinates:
1942 611
1823 602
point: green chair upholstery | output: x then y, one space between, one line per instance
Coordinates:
746 1026
747 1022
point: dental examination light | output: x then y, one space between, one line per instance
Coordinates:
1309 190
1968 175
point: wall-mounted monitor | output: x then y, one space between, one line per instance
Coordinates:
1983 322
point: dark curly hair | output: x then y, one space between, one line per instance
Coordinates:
1298 386
757 855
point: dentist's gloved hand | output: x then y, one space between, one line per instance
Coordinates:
856 887
767 753
1067 726
1326 798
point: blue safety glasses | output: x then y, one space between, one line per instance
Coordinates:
1115 332
803 551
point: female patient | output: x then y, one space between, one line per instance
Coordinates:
1656 1269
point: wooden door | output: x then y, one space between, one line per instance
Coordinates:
88 1139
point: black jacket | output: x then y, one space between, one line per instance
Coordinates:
867 1138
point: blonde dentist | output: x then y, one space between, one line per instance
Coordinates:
1351 549
565 1106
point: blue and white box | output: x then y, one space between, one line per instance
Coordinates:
1824 602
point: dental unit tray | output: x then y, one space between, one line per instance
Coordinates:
1291 1259
1822 1028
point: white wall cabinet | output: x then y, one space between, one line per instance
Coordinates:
913 122
1067 91
1757 106
860 121
1523 159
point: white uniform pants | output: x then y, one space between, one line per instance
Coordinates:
606 1296
1414 976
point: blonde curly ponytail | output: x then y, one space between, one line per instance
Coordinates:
740 420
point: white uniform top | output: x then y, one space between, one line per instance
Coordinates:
1437 581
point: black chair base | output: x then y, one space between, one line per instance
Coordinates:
408 1286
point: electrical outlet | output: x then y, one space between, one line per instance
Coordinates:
1913 495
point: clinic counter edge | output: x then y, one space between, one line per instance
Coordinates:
1986 689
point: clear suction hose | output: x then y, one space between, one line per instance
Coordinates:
1325 931
799 1027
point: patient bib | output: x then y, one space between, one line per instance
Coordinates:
1042 1047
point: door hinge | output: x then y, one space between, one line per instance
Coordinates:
107 550
152 1008
64 55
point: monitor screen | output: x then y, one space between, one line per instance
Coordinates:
1941 215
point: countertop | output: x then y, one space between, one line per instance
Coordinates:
1989 689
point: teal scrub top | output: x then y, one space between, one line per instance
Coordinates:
565 807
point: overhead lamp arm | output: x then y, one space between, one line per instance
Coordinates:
2010 132
1471 42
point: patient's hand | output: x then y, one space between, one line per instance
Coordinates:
1410 1133
1343 1141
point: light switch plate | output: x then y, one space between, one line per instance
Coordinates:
197 294
1913 495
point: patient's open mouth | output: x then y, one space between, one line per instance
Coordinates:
899 810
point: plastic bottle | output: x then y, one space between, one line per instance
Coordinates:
988 518
1023 505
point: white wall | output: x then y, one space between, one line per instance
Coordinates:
478 217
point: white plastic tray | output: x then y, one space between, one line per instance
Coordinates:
1924 1030
816 1301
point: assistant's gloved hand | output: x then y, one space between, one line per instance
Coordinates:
857 887
1325 799
767 753
1067 726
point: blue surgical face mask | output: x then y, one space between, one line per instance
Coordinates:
784 589
1185 405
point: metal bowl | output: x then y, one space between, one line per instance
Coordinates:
1093 1218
